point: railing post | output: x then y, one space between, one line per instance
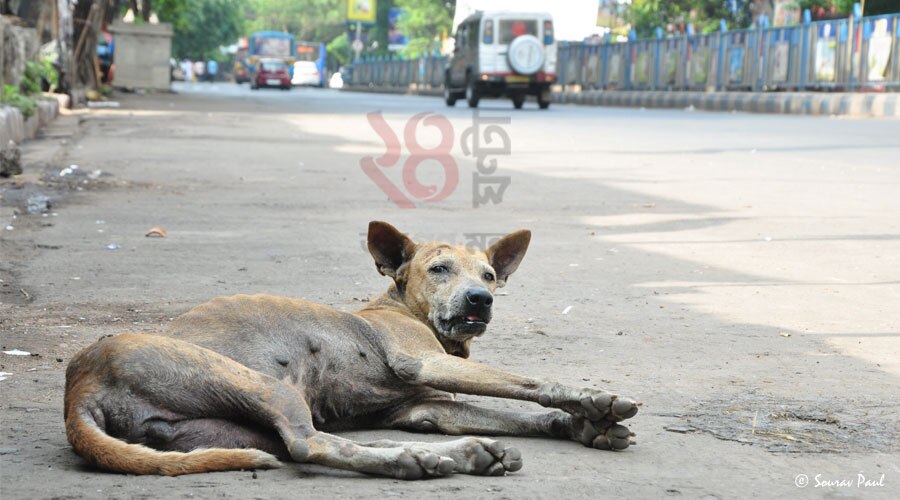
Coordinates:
632 59
761 72
804 49
688 58
604 68
723 31
656 57
854 42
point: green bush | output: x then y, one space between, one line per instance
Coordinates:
11 96
37 72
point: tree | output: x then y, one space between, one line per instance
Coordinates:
339 50
646 15
844 7
425 22
309 20
202 26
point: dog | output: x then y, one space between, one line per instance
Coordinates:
243 382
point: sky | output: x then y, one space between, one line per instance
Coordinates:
573 19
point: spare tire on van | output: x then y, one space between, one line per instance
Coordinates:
526 55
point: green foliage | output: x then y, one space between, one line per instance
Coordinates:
873 7
339 49
31 79
425 22
646 15
202 26
308 20
37 72
378 34
841 6
10 95
878 7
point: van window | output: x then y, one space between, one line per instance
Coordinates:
487 36
472 35
461 36
512 28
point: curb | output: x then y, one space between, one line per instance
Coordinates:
15 127
411 90
793 103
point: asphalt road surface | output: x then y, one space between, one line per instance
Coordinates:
739 274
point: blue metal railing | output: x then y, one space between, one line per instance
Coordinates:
843 54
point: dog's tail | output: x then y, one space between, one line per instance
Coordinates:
107 452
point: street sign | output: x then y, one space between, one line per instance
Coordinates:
357 45
362 11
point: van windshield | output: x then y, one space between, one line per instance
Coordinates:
511 28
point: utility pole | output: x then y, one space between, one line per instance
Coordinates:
357 42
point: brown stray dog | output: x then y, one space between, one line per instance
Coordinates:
240 380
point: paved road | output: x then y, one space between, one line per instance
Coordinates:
737 273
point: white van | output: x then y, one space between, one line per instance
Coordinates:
502 54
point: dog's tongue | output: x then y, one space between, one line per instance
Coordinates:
473 318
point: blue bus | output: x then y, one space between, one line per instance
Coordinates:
271 44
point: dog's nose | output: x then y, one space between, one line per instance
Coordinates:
479 297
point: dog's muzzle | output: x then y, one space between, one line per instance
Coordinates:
472 317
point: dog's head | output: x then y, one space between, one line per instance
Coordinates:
448 287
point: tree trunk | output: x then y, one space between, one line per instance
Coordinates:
146 9
87 30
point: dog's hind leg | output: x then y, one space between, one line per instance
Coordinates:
188 435
190 383
400 460
472 455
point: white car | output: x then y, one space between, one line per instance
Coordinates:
306 73
502 54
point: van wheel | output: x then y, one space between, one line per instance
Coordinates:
518 101
449 96
472 96
543 99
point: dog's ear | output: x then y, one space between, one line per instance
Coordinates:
389 247
506 254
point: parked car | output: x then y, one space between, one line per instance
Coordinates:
306 73
271 73
502 54
241 67
240 71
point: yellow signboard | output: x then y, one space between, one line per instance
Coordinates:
362 11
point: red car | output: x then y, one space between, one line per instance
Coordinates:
271 73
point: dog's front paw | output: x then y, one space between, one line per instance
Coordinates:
604 435
592 404
487 457
417 463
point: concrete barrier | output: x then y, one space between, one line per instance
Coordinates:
142 55
802 103
795 103
15 127
17 45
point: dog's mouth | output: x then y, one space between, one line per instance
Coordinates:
464 325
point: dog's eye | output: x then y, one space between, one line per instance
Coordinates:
488 277
439 269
